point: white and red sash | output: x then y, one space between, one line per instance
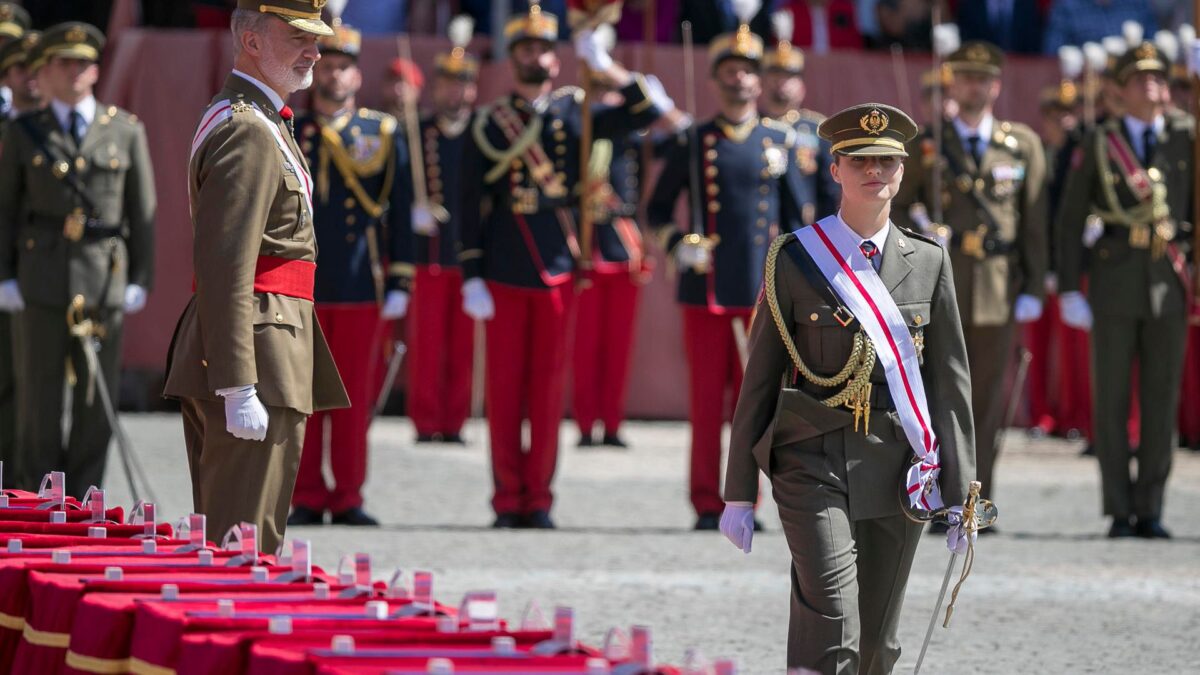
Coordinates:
221 111
834 249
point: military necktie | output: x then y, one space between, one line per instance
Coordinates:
870 250
973 143
76 123
1148 142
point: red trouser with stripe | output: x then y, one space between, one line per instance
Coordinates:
526 369
355 333
440 350
714 368
604 331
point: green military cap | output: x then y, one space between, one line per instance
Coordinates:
976 56
536 25
741 44
345 40
869 129
15 52
458 63
302 14
73 39
1146 57
1064 96
14 20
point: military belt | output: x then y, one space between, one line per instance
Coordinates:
881 396
977 244
84 227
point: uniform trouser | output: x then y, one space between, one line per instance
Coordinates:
1156 346
1074 391
526 364
1189 401
848 576
604 332
1039 338
713 368
43 348
8 399
235 480
354 333
441 340
989 354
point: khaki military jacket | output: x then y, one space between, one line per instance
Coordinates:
774 416
1011 181
245 204
54 260
1127 279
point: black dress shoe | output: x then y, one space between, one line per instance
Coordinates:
427 438
304 516
539 520
707 522
1151 528
456 439
1120 529
585 441
508 521
355 517
758 526
614 441
1088 451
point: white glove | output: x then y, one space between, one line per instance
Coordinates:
395 305
423 222
1193 58
588 47
245 416
1075 310
1027 309
477 300
135 299
692 256
657 94
10 296
956 536
737 524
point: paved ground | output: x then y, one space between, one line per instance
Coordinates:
1048 595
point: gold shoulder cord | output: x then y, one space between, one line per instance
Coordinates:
855 375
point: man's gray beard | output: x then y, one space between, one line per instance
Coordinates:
284 76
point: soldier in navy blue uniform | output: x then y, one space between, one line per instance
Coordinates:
751 188
783 94
361 204
520 248
441 335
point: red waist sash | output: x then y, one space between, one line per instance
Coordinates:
283 276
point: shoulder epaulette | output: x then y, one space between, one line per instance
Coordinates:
919 236
786 129
811 115
569 90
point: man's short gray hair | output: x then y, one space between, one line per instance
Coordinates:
247 20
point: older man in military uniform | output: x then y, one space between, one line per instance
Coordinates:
361 218
441 336
1129 189
750 187
77 208
994 205
783 95
522 167
858 321
25 97
249 362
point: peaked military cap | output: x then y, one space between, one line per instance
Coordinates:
1064 96
785 57
741 44
16 52
14 20
73 40
869 130
345 40
977 56
302 14
536 25
1146 57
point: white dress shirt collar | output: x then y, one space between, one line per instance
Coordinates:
62 111
879 238
1137 130
270 93
983 131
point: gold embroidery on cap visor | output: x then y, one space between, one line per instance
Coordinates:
309 21
1144 58
885 147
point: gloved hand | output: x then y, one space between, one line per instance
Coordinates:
692 256
956 536
1027 309
245 416
477 300
737 524
590 49
657 94
423 222
1075 310
395 305
10 296
135 299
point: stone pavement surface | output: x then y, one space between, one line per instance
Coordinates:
1049 594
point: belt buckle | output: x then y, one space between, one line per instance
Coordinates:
838 316
1139 236
74 225
972 242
